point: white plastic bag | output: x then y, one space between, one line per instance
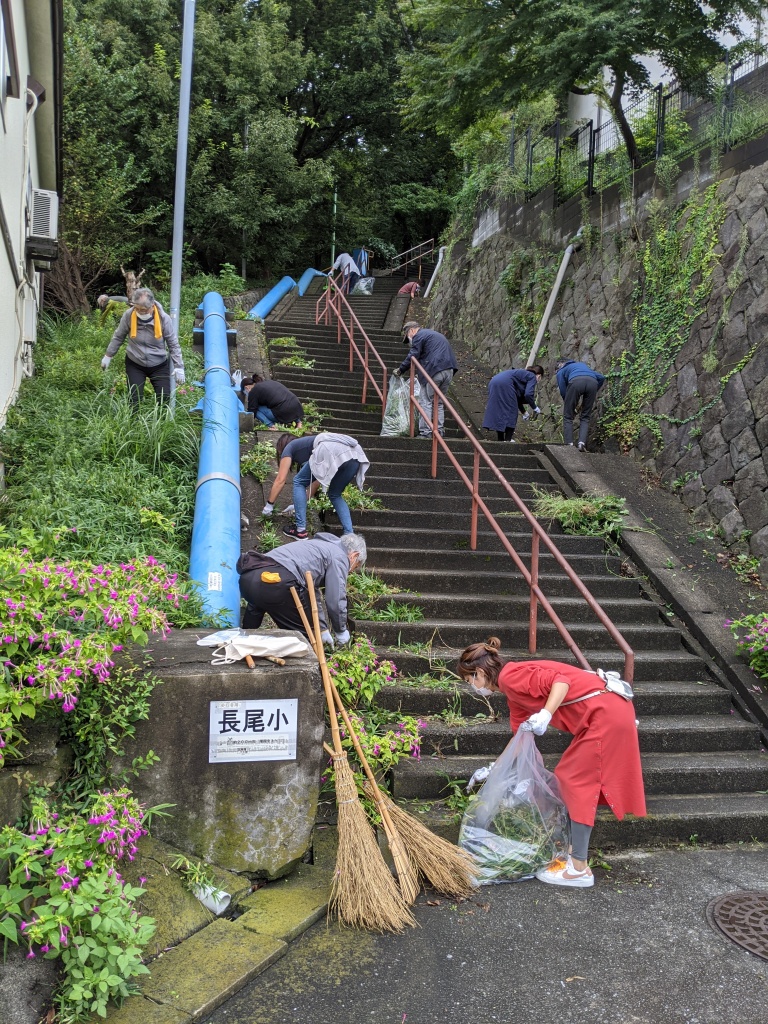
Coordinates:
364 286
517 823
222 636
259 646
396 421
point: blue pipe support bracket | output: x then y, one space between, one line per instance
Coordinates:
264 306
308 277
216 526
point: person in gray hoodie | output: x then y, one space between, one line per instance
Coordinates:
266 581
153 347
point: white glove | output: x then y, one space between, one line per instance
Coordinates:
479 777
537 724
237 378
288 510
180 376
537 410
326 637
105 362
267 510
343 637
526 415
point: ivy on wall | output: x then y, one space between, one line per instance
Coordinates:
527 280
678 261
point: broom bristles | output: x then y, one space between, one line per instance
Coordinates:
448 869
364 893
407 873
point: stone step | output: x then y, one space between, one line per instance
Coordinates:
419 469
658 734
458 503
691 818
445 607
454 581
459 633
650 665
403 539
383 556
666 697
739 771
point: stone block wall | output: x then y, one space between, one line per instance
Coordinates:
718 460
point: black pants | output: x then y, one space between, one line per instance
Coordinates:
159 376
505 435
273 599
584 390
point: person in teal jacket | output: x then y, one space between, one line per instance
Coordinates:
578 383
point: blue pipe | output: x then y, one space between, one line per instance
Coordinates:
265 306
307 277
216 526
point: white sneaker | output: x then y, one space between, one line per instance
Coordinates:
562 872
582 446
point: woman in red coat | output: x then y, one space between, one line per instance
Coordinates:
602 762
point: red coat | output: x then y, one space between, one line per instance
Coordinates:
602 763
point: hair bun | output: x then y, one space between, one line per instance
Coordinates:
493 643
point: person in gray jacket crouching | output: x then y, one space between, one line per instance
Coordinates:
266 581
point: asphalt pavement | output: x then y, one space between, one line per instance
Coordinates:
635 949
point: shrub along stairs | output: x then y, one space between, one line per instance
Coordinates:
706 774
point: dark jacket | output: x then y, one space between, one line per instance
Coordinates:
285 406
508 392
571 370
433 351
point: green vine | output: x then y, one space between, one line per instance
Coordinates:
527 280
678 260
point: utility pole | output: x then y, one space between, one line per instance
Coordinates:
243 267
181 163
333 236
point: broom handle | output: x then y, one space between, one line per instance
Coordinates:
304 619
323 666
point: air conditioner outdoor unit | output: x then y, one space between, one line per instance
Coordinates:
42 241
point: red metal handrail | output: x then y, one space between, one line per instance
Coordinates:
538 533
334 298
420 250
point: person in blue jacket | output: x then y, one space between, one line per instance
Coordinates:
434 352
578 383
508 394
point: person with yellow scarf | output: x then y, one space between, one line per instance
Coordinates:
153 347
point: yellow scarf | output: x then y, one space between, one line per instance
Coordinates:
134 324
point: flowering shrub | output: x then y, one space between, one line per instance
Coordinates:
65 899
358 673
61 623
751 633
384 743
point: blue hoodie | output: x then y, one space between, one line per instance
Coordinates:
572 369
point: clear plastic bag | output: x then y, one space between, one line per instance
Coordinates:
517 823
396 421
364 286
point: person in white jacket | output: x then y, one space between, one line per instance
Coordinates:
326 460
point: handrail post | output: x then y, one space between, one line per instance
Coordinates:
475 492
384 386
534 606
365 374
411 400
435 401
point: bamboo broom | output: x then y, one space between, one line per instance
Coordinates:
363 893
447 868
407 874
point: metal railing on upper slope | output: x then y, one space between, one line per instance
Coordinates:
335 304
416 254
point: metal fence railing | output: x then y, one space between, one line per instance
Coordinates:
667 119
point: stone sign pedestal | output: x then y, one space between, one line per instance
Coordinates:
248 814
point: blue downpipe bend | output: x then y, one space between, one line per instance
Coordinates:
216 526
265 306
307 277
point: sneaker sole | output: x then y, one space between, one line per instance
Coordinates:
569 883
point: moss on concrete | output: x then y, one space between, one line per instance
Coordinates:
285 909
204 971
138 1010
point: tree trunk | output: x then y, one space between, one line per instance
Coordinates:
64 288
618 112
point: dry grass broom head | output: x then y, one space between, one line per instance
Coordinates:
364 894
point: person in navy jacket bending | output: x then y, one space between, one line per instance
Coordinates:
508 394
578 383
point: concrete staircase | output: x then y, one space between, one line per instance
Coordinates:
703 765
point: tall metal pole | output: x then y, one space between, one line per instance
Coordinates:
181 162
243 266
333 236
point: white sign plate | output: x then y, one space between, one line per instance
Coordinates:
253 730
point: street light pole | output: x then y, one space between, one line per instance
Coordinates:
181 163
333 236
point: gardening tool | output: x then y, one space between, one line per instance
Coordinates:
447 868
364 893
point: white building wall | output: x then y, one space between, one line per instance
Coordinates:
19 173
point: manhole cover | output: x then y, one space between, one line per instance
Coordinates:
743 918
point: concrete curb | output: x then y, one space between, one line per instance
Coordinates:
189 981
699 612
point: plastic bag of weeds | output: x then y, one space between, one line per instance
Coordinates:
517 823
364 286
396 421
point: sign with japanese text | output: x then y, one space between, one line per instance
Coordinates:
253 730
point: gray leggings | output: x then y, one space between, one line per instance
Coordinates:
580 840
